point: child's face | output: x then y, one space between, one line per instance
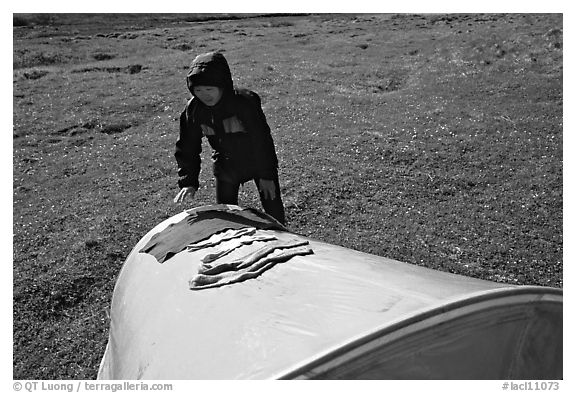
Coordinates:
209 95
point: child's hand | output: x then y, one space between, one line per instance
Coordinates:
267 188
184 192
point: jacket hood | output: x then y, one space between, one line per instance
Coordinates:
210 69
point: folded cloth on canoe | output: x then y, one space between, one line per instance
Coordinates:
220 237
211 275
232 244
202 223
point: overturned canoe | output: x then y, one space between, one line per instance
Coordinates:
222 303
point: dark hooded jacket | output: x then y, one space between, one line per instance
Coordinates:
236 129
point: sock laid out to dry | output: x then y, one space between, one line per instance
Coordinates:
251 266
200 224
221 237
235 243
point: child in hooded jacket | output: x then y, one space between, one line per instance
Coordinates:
234 123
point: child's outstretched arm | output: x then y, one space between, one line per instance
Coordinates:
267 188
267 162
183 193
188 149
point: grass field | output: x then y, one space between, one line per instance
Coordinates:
431 139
